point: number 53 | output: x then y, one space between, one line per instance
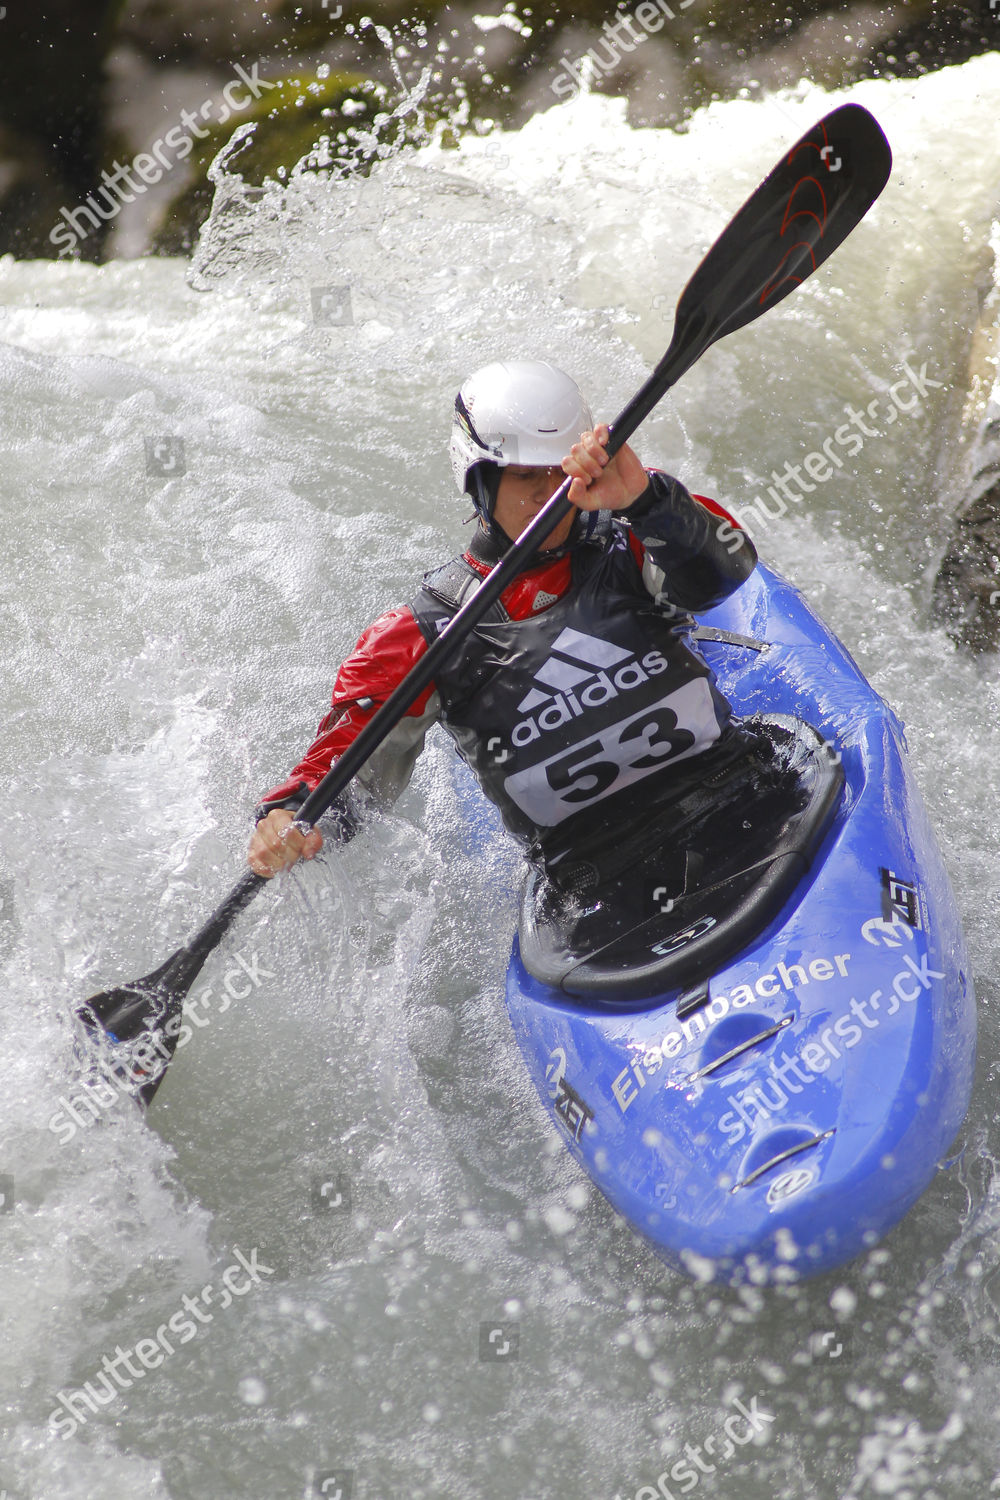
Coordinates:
590 770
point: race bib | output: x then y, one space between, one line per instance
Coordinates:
680 725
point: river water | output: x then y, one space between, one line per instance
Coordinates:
214 476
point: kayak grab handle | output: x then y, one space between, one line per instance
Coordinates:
728 638
751 1041
806 1145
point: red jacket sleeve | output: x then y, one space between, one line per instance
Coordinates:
381 659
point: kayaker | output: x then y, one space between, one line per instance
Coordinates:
577 701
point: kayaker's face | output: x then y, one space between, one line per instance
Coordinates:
522 493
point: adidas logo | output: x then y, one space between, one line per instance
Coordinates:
581 672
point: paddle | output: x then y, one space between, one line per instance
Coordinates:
798 216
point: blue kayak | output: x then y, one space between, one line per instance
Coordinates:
763 1072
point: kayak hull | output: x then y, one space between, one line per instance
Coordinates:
790 1116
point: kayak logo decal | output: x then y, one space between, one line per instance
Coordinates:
900 898
692 1028
582 672
554 1070
789 1184
572 1111
879 932
681 939
901 912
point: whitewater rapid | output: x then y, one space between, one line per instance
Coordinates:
211 483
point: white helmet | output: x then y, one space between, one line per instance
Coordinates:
522 411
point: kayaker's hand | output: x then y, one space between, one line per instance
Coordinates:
600 483
276 844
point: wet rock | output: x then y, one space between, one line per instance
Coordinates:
966 594
51 112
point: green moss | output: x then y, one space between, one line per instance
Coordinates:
289 119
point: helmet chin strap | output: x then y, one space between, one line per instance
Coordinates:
484 486
589 524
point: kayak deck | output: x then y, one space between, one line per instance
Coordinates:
749 839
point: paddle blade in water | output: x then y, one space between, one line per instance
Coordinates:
130 1031
135 1026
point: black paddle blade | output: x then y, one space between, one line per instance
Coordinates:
820 190
129 1026
135 1027
807 206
